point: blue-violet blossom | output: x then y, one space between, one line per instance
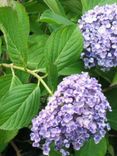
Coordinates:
75 113
99 29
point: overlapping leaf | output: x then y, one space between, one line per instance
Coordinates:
15 26
19 106
92 149
36 55
7 82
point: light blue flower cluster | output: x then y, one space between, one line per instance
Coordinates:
99 29
75 113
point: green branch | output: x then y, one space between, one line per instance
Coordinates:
30 72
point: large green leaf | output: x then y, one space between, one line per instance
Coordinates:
23 19
92 149
36 55
51 17
7 82
14 25
19 106
63 48
112 116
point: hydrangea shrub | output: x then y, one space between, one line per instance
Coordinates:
58 77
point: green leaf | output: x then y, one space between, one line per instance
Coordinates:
7 82
36 55
63 48
73 8
50 17
15 32
19 106
107 75
112 116
92 149
2 147
53 152
111 150
35 7
6 136
114 81
55 6
75 68
23 19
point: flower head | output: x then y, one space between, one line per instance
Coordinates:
75 113
99 29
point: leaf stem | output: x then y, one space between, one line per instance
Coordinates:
15 148
30 72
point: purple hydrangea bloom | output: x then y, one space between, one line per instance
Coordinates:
75 113
99 29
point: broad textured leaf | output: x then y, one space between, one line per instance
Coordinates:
12 24
6 136
7 82
51 17
63 48
75 68
112 116
23 19
92 149
55 6
35 7
73 8
19 106
36 55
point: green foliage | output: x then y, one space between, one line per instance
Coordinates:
63 48
112 117
40 43
7 83
19 106
15 33
36 54
50 17
55 6
92 149
6 136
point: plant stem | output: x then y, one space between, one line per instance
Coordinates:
30 72
16 149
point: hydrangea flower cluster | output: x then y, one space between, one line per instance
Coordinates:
99 29
75 113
